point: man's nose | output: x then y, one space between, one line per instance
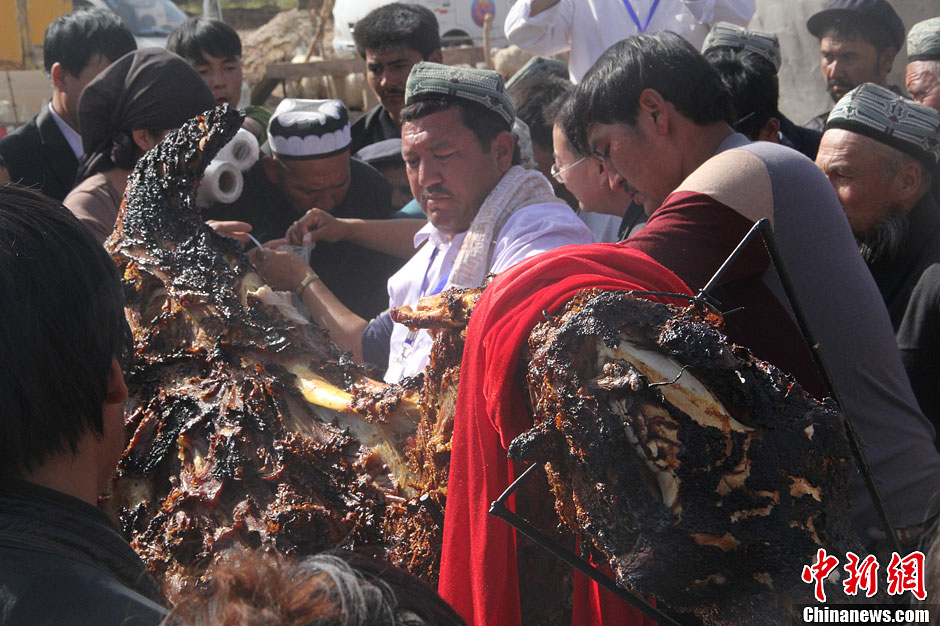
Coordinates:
429 173
215 79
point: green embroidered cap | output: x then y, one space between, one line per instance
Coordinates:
433 80
923 42
537 67
738 39
894 120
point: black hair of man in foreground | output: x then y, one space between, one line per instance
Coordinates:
62 343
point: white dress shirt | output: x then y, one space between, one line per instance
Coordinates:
588 27
71 135
529 231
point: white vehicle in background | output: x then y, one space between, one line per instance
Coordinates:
461 21
150 20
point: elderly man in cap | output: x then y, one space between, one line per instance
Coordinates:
858 40
484 213
922 78
748 62
880 152
667 133
306 164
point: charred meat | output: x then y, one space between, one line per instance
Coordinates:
705 478
240 424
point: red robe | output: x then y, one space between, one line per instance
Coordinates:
478 564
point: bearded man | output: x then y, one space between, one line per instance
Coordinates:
880 152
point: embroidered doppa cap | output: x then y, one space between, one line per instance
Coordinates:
894 120
738 39
428 81
876 12
923 42
309 129
537 67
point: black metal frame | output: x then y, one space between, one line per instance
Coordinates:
763 228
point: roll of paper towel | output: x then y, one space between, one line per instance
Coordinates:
241 151
222 183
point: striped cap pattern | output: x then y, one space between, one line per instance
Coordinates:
732 36
894 120
433 80
923 42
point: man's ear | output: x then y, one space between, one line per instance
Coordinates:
57 73
886 60
909 181
770 131
271 166
436 57
144 140
116 389
652 104
504 144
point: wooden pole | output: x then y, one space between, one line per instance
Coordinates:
487 25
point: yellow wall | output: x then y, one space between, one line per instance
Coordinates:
40 14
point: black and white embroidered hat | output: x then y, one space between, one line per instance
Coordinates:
309 129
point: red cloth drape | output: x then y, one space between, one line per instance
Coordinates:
478 565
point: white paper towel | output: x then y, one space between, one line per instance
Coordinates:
222 183
241 151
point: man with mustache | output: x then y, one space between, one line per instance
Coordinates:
880 152
391 39
485 213
858 40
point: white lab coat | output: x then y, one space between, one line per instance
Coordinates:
588 27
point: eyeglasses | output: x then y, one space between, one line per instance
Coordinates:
558 171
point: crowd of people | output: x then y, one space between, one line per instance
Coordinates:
643 161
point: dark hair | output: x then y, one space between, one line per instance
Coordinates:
409 25
536 101
62 306
610 91
752 82
199 36
339 589
484 123
568 119
73 39
852 26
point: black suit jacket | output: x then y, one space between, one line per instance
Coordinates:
39 156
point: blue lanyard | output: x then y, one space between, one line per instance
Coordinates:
409 340
424 281
636 20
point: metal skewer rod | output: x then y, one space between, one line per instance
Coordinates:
765 230
498 508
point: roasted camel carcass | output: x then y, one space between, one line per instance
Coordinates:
415 527
240 425
706 478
